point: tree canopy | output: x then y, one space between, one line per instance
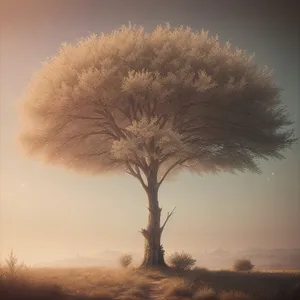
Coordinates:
170 99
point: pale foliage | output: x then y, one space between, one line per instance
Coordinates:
135 101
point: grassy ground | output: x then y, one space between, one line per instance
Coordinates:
132 284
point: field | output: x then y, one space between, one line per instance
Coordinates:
134 284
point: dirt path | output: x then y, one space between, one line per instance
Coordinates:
155 290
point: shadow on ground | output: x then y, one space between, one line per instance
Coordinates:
259 285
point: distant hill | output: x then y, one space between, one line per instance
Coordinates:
263 259
107 258
278 259
220 253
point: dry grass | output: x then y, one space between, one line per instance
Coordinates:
176 288
81 283
205 294
132 284
234 295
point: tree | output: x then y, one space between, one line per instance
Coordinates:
151 104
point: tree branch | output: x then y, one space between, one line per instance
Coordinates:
81 136
170 169
84 117
125 113
109 117
140 162
144 232
90 154
137 174
167 156
167 219
154 106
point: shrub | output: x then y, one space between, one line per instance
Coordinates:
13 266
125 260
243 265
181 261
11 263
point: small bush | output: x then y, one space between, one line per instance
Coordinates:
243 265
13 267
181 261
126 260
12 263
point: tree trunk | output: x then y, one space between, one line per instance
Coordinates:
154 253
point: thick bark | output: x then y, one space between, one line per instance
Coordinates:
154 253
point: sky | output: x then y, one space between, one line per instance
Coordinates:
49 213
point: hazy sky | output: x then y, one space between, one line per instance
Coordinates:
49 213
